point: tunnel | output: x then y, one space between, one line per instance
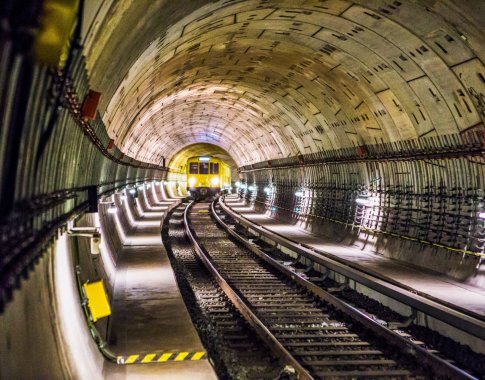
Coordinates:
357 124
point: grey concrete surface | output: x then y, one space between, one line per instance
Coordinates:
43 331
148 312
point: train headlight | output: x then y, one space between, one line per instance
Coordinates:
192 181
215 181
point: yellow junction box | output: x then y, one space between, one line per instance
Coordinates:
97 300
58 22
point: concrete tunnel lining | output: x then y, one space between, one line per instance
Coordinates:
266 80
258 82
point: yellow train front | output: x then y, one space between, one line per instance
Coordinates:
207 176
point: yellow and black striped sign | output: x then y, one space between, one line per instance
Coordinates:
160 357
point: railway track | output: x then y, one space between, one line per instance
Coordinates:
312 331
343 282
233 346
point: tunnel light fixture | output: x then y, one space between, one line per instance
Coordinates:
362 200
268 190
243 186
251 188
132 191
299 193
106 201
481 215
140 187
123 197
238 184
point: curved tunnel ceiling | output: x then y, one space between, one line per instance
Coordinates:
270 79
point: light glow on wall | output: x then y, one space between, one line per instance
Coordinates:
112 209
363 201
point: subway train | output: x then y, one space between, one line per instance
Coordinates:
207 176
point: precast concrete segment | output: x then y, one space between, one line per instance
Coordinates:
150 328
44 324
272 79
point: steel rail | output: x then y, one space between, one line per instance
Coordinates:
244 309
440 366
426 304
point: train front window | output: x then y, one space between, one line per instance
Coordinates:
203 168
214 168
194 168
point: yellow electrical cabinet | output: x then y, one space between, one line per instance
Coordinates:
58 21
97 300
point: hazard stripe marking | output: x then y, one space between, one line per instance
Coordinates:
148 358
131 359
198 355
161 357
164 357
181 356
